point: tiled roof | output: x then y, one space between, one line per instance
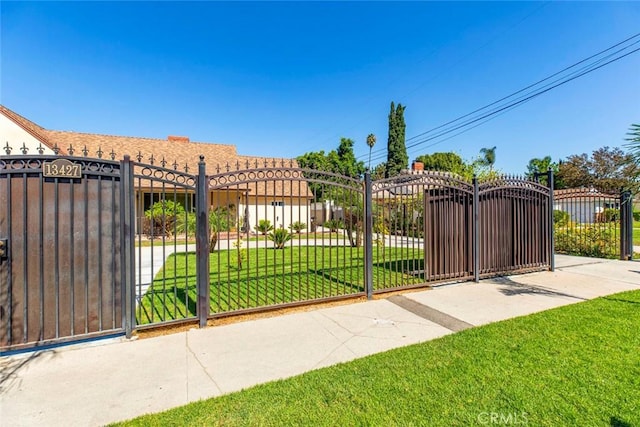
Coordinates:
178 149
581 193
182 152
33 129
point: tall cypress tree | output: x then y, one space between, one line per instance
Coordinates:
397 158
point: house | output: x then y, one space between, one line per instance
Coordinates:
249 195
584 205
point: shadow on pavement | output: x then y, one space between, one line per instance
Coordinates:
10 368
517 288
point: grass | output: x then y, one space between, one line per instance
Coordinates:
180 241
574 365
636 233
270 277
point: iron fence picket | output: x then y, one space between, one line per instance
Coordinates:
428 228
52 286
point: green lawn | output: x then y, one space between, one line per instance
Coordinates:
270 276
636 233
577 365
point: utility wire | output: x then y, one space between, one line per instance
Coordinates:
514 104
524 98
431 53
527 87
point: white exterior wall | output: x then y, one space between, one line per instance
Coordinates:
580 211
15 136
280 216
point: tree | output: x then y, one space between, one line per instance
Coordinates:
634 142
397 158
541 166
633 145
574 171
341 161
488 157
346 162
607 169
380 171
371 141
446 162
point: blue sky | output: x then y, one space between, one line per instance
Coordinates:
282 79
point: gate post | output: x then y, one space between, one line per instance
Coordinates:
475 227
552 243
202 244
368 236
626 225
127 241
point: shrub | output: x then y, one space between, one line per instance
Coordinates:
561 218
279 237
590 240
186 224
218 221
333 225
636 216
162 216
297 226
241 253
264 226
608 215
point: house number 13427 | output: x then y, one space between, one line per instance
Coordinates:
61 168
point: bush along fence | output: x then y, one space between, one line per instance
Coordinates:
591 223
92 246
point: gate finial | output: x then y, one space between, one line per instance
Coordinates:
24 148
7 149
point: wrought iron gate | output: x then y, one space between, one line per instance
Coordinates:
90 247
61 274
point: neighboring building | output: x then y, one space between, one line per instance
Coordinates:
281 201
584 205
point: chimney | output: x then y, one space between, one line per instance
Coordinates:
173 138
417 166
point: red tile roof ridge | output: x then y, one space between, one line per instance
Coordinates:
146 138
30 127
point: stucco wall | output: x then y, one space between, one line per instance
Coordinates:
16 136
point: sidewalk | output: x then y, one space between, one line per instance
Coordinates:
118 380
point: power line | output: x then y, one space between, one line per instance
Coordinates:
525 98
512 105
431 53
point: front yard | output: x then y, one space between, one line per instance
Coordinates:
270 276
576 365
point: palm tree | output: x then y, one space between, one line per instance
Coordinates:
634 142
371 141
488 157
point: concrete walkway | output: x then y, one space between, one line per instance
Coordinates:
87 385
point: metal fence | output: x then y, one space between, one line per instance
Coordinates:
139 243
61 270
592 223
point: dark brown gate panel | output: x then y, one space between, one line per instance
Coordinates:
62 279
448 234
514 226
